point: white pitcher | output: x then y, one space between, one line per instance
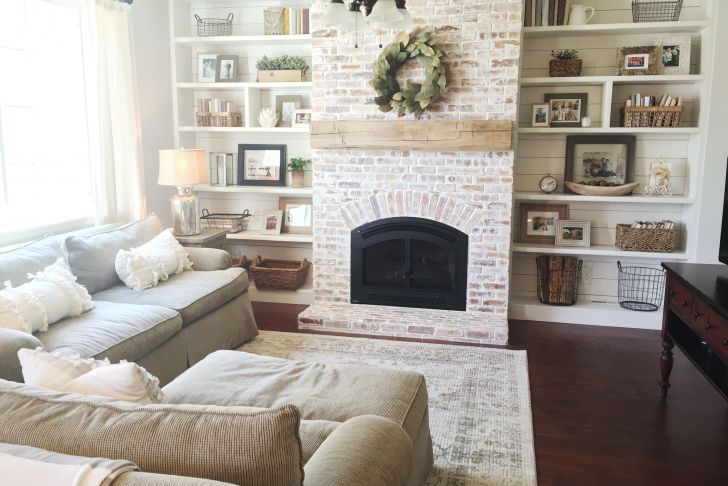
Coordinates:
579 14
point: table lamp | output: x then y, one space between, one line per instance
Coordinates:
183 169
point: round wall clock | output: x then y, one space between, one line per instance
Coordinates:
548 184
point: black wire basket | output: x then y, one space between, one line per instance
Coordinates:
214 27
640 288
656 10
558 279
234 223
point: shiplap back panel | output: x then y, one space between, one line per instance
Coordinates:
618 11
247 19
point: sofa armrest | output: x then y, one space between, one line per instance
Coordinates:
137 478
363 451
208 259
12 341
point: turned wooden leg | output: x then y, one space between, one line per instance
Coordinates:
666 363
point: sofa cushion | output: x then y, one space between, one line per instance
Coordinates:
92 257
33 257
230 444
114 331
319 391
192 294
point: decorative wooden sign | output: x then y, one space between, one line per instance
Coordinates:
447 135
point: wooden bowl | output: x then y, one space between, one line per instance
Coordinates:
585 190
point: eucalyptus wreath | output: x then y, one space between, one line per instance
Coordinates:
415 98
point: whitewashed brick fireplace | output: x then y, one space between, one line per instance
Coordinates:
470 191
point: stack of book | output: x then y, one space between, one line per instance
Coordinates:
546 12
213 105
296 21
637 99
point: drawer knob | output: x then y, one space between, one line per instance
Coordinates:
685 303
725 342
697 314
707 326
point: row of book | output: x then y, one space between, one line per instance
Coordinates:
213 105
296 21
546 12
637 99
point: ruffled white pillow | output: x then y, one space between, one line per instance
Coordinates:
153 262
122 381
51 295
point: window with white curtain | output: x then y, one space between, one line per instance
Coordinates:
45 140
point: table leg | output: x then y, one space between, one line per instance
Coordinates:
666 363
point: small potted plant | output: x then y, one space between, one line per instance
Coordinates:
565 63
281 69
297 165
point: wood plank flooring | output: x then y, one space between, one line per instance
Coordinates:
598 417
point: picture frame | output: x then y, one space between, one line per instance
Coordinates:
272 222
226 70
540 115
285 106
674 51
600 157
566 109
636 61
297 215
538 222
261 165
573 233
206 68
301 118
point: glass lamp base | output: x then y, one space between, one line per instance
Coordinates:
185 208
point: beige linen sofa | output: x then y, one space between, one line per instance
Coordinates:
166 329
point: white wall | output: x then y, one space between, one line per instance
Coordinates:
154 80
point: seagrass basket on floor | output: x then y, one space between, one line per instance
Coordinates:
645 239
279 274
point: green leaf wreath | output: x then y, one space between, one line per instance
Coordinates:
415 98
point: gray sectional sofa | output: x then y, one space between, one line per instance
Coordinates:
166 329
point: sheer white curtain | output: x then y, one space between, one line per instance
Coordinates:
120 175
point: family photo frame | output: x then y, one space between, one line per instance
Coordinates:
573 233
540 115
635 61
674 53
608 158
207 68
566 109
539 222
226 70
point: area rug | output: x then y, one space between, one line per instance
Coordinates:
480 405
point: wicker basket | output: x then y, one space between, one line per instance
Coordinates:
558 279
559 68
273 21
223 119
652 116
242 262
637 239
214 27
279 274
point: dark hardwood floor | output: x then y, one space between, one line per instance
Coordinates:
597 413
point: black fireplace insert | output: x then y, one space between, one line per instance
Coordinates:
409 262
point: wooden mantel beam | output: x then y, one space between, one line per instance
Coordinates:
448 135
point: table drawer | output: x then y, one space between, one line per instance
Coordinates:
702 318
717 333
680 299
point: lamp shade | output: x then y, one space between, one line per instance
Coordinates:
338 14
182 167
406 22
385 12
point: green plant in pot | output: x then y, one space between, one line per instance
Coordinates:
281 69
565 63
297 166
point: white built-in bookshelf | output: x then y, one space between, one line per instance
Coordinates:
542 150
249 43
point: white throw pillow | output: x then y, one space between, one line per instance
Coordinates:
122 381
51 295
153 262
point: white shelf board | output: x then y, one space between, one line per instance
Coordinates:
595 250
288 130
283 191
284 238
597 80
615 130
589 313
636 198
691 26
244 85
303 296
242 39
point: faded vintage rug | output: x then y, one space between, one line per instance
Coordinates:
480 404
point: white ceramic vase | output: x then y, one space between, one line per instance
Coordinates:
268 118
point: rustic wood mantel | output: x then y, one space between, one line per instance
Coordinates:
430 135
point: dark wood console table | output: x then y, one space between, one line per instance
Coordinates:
695 317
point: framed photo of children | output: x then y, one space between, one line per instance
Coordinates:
573 233
634 61
206 68
227 69
540 115
566 109
674 54
538 222
600 159
261 165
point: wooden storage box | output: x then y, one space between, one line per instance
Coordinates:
279 274
222 119
637 239
280 76
652 116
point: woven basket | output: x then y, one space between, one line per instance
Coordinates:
636 239
558 279
224 119
279 274
652 116
273 21
241 262
559 68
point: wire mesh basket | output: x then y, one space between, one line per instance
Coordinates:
640 288
558 279
234 223
656 10
214 27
